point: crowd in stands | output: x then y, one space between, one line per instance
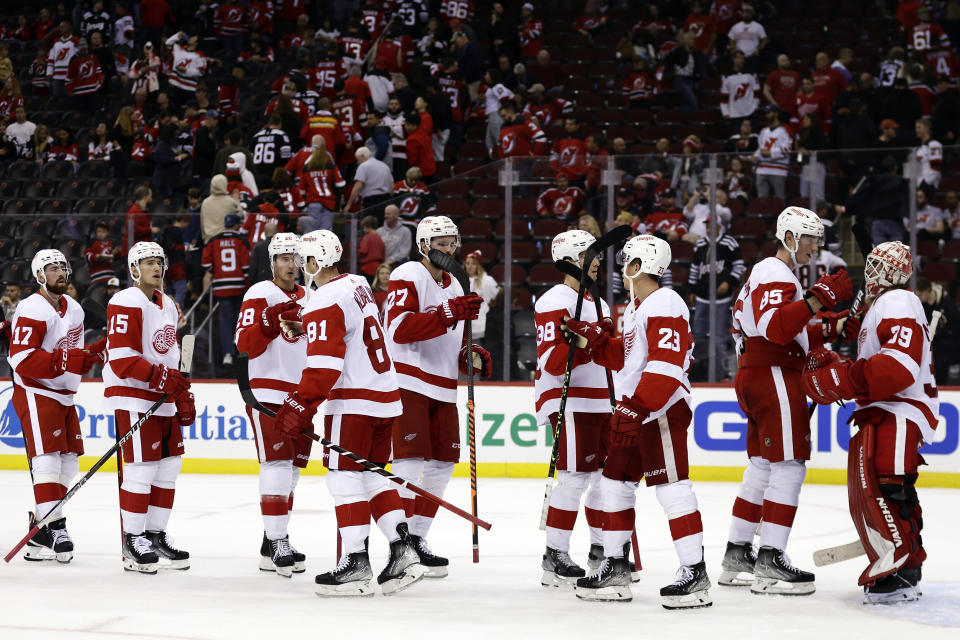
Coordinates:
163 118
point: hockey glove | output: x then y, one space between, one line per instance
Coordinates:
625 426
833 326
461 308
294 416
482 361
78 361
832 289
186 409
168 381
270 317
826 377
99 349
592 334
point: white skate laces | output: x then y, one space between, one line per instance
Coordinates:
683 576
283 548
59 535
344 562
564 558
142 544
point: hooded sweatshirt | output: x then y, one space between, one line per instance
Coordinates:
238 162
216 207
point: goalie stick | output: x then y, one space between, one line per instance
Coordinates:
443 261
243 382
186 364
604 242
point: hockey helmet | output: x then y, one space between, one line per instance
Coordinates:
653 253
323 246
46 257
282 244
889 265
436 227
571 244
800 222
142 251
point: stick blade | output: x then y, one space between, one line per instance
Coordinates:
186 353
443 261
567 268
834 555
862 236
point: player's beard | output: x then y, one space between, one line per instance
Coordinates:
58 288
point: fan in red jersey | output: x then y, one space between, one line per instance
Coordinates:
561 200
227 259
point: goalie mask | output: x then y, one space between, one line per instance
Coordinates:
888 266
46 257
283 244
142 251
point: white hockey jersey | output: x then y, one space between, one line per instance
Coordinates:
425 354
771 285
139 328
345 339
656 340
895 326
276 364
930 157
58 60
188 66
587 392
37 325
740 92
778 142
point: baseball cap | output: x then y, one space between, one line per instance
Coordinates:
113 282
771 107
537 87
889 123
528 6
231 219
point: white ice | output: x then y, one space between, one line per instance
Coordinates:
223 595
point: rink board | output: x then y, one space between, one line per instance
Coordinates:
510 443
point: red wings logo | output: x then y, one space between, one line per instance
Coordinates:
72 339
628 339
164 339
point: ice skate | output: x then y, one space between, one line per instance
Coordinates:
172 558
595 557
139 554
774 574
351 578
737 565
559 570
41 546
899 586
403 568
277 556
689 590
62 544
435 565
611 582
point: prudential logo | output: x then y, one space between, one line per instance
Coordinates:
11 434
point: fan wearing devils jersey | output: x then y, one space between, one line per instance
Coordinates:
561 201
531 32
926 35
321 183
373 18
455 13
425 309
271 149
47 357
143 356
639 85
648 432
348 365
328 71
586 418
415 198
771 320
226 259
277 359
546 111
351 111
519 138
354 43
568 157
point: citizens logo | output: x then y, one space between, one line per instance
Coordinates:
164 339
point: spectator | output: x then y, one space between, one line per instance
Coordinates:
591 21
419 147
561 201
681 65
773 156
901 104
829 81
154 16
810 138
42 143
61 53
39 79
123 134
232 22
931 222
145 71
519 138
174 246
639 85
237 163
546 111
9 301
189 65
64 148
501 33
11 97
569 153
929 156
659 161
667 220
137 227
951 212
397 239
323 122
381 287
686 176
260 268
234 144
167 163
6 64
745 141
84 78
701 24
291 197
191 234
889 139
100 146
530 32
809 100
596 163
21 132
483 285
697 214
373 183
394 120
546 70
781 85
418 200
378 138
96 20
469 56
8 150
321 183
841 64
588 223
936 297
626 163
216 207
730 270
884 201
227 260
205 143
748 36
371 250
100 255
946 113
494 97
739 91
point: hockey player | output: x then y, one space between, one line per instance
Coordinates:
898 406
349 366
48 358
142 367
276 362
425 310
587 414
648 432
771 321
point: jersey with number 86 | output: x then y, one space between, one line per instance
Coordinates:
657 350
348 362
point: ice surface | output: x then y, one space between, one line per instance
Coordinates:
223 595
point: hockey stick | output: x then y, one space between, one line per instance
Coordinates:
443 261
572 270
832 555
185 366
609 239
243 382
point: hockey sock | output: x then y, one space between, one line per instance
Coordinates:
748 507
69 468
564 504
352 508
780 502
593 508
275 497
47 489
135 495
410 470
161 493
385 505
679 502
294 479
619 499
436 477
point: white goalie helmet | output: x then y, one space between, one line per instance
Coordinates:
142 251
323 246
571 244
46 257
889 265
282 244
800 222
436 227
